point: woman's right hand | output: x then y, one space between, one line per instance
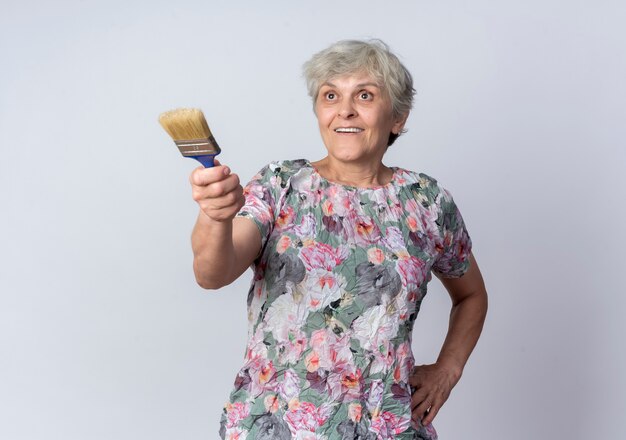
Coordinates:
217 191
223 246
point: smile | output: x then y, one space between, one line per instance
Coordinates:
348 130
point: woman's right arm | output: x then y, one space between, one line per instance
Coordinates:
223 246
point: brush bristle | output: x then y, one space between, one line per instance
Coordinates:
185 123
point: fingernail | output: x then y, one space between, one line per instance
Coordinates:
226 171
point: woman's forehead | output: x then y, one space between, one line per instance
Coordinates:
355 79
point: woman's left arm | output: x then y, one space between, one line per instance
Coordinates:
433 383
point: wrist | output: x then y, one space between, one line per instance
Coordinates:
208 220
452 366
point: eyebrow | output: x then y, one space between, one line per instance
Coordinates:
358 86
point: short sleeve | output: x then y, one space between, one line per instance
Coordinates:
454 259
262 196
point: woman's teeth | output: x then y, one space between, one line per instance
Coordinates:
348 130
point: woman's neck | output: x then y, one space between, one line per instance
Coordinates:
353 174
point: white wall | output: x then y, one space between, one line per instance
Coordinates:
520 113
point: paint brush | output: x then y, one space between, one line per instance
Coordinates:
191 134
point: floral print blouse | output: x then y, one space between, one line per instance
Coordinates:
331 307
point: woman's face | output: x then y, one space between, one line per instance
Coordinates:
355 118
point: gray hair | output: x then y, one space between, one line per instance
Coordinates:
373 57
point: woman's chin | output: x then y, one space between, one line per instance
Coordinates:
352 154
345 156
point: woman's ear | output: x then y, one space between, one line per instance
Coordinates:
398 125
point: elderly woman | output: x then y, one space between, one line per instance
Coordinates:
342 251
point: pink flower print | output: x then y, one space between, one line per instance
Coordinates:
254 188
306 185
412 271
401 392
328 207
318 339
404 363
375 255
256 347
339 385
334 387
256 203
455 248
236 434
334 225
411 206
384 358
243 381
428 218
262 374
285 318
406 304
320 288
351 384
305 416
422 221
285 217
367 232
387 425
375 327
375 397
289 387
394 211
355 412
292 349
339 200
323 256
401 176
236 412
412 222
306 228
345 382
266 373
312 361
387 205
275 180
284 243
394 241
272 403
317 380
332 352
378 202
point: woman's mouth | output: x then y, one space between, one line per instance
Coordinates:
348 130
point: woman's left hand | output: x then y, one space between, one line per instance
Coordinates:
431 385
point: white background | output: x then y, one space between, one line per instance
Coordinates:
520 114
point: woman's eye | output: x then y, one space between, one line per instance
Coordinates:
330 96
366 96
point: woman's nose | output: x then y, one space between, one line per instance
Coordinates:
347 110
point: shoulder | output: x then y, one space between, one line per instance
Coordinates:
289 167
284 168
422 185
277 177
279 170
